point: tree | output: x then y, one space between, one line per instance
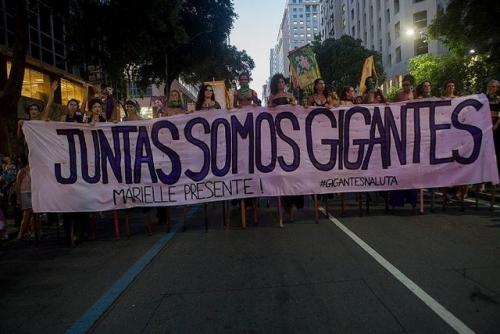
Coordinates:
341 60
162 39
12 87
468 25
469 72
227 65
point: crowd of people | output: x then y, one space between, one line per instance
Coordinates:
15 178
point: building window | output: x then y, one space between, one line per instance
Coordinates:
387 16
397 30
416 1
420 19
421 46
398 54
389 60
36 85
70 90
396 7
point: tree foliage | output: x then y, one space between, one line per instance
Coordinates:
161 39
470 72
469 25
341 60
11 88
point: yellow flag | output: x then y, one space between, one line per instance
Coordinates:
368 71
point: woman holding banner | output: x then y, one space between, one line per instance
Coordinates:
320 98
449 92
373 95
96 112
76 224
132 114
245 96
279 96
174 104
424 90
449 89
400 197
347 96
206 99
174 107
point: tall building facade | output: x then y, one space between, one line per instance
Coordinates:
46 59
299 26
395 28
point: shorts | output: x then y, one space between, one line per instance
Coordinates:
26 201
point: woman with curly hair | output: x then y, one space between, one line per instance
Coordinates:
279 96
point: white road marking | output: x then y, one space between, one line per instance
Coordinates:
434 305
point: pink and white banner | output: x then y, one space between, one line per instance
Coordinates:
255 152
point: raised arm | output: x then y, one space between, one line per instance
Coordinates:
45 113
83 106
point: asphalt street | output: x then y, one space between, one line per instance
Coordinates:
303 278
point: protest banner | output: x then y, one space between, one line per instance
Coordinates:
254 152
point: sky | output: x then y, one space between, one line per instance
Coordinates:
255 31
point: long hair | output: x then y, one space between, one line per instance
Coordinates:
274 82
201 96
132 103
420 87
343 93
325 92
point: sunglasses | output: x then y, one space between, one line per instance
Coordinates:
209 90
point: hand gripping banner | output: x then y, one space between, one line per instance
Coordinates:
259 152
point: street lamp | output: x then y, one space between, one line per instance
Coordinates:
472 51
410 32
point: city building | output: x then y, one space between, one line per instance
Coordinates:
299 26
395 28
46 59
